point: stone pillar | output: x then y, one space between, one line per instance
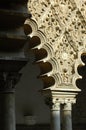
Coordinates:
54 106
67 116
55 116
7 100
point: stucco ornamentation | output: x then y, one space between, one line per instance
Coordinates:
63 26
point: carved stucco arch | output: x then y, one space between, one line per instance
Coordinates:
61 27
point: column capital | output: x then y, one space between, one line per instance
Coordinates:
8 81
67 106
69 100
56 106
55 98
53 103
68 103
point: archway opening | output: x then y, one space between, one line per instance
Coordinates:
80 107
82 72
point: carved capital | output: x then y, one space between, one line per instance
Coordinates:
67 106
56 98
8 80
54 104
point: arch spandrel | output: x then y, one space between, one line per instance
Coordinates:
63 24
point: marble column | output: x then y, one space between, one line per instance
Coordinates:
7 100
54 106
55 117
67 116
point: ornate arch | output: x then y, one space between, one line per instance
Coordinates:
60 25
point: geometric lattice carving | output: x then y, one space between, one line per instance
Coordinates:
61 27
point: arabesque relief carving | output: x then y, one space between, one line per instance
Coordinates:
61 26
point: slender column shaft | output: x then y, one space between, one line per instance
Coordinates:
55 120
67 117
55 117
7 100
7 111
